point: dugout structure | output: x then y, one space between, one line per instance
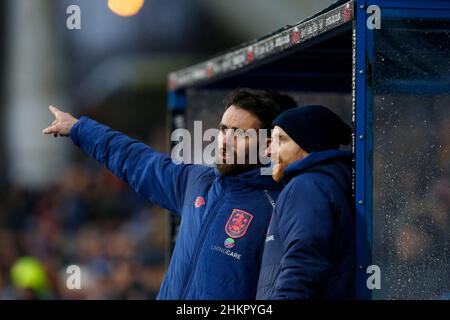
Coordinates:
393 85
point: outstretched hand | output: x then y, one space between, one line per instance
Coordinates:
62 124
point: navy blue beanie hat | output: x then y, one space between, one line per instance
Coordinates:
314 128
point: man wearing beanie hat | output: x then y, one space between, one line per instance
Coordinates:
310 250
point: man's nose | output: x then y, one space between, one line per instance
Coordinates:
228 138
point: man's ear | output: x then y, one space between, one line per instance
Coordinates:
268 151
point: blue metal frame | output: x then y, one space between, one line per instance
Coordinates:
411 4
363 149
176 103
176 100
414 13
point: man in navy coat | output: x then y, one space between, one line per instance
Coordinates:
309 249
224 211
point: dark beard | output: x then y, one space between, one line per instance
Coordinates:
235 169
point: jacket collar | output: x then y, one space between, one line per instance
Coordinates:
252 178
315 159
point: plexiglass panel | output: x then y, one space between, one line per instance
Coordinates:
411 158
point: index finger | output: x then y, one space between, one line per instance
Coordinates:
54 110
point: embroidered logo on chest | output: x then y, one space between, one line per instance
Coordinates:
238 223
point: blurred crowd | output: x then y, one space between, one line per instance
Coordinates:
89 219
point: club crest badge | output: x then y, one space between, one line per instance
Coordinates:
238 223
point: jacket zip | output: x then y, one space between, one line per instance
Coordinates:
199 244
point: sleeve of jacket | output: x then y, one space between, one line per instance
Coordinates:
149 173
305 227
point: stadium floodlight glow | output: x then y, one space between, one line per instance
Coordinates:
125 8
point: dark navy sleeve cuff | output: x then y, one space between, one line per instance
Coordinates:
77 127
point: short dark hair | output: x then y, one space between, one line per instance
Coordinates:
258 102
284 100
